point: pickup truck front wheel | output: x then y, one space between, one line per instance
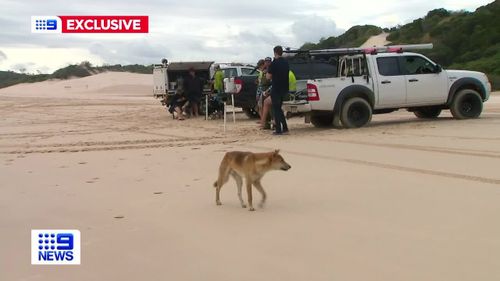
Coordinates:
466 104
356 112
430 112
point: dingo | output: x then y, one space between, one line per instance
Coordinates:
252 167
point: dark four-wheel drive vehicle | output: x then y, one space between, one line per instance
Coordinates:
244 87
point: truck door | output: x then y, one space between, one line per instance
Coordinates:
391 83
424 83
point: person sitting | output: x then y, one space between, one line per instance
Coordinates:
177 102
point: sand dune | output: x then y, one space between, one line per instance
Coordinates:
402 199
103 85
376 41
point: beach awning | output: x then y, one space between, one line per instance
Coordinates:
184 66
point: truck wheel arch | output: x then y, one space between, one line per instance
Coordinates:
352 92
465 83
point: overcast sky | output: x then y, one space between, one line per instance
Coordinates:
220 30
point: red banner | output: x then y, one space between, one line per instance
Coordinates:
105 24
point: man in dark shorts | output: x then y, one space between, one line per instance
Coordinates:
278 73
193 87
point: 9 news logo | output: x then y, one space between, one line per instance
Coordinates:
56 247
45 24
90 24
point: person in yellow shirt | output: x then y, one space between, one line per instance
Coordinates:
218 81
292 82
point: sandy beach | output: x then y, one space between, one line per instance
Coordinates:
402 199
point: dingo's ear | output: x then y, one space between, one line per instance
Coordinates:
277 151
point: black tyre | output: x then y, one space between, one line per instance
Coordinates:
322 120
430 112
466 104
251 113
356 112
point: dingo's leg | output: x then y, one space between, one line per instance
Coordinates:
223 178
239 183
249 194
259 187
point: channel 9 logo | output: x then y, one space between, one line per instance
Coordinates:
57 247
90 24
46 24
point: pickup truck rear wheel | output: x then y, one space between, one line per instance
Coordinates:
430 112
322 120
466 104
356 112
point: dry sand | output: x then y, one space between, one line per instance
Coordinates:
402 199
376 41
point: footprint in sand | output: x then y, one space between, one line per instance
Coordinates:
147 154
92 180
196 179
82 163
157 193
119 217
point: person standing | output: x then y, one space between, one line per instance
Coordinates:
193 87
292 82
264 101
219 82
278 74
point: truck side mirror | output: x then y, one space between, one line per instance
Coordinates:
439 68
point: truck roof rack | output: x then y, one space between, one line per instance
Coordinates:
371 50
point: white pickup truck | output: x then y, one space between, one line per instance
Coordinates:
365 82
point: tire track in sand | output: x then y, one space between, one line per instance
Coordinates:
462 152
114 145
392 167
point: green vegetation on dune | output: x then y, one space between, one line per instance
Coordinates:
9 78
